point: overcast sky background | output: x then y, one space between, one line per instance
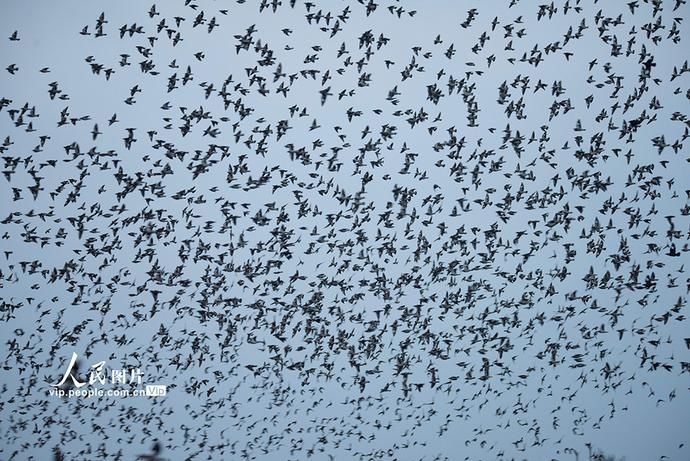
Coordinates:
241 408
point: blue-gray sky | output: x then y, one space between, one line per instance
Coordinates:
522 243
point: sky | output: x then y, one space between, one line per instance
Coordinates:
337 290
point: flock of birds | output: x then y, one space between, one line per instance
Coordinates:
347 230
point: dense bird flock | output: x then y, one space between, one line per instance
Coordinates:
345 230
